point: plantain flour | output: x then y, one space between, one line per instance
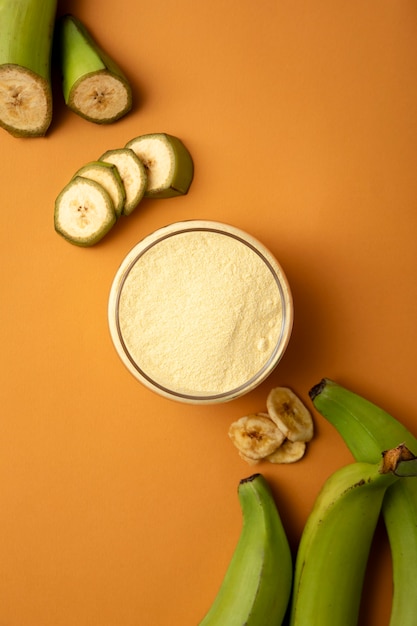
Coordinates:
200 313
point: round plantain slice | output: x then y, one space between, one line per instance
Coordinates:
84 212
132 173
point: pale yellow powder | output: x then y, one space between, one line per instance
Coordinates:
200 313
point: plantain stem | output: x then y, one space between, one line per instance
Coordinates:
396 459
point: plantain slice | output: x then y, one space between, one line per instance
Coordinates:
290 414
133 175
255 436
168 164
107 175
288 452
84 212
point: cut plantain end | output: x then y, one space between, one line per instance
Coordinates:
132 173
84 212
25 102
290 414
101 98
93 84
168 163
26 34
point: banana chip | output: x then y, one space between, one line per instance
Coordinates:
278 436
255 436
288 452
290 414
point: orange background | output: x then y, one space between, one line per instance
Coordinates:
119 507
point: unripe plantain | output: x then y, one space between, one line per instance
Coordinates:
336 541
26 33
367 428
93 84
256 588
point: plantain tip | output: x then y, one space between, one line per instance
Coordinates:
250 478
317 389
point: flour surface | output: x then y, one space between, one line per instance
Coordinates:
200 313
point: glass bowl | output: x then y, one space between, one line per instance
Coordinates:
200 312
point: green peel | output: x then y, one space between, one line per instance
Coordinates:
256 588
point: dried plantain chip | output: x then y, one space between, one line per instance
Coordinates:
288 452
255 436
290 414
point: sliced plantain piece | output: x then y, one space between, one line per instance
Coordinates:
255 436
93 84
288 452
108 176
290 414
132 173
84 212
168 163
